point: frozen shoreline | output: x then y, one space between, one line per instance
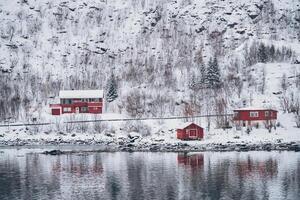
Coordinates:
159 137
130 146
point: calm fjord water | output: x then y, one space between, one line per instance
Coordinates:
26 174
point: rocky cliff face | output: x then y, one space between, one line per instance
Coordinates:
149 44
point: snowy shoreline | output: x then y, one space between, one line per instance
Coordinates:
189 146
153 136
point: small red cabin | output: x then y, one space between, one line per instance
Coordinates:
255 116
190 131
78 101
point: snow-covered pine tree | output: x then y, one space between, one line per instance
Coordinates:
278 55
262 53
213 74
193 82
272 53
111 89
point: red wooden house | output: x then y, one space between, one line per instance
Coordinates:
78 101
255 116
190 131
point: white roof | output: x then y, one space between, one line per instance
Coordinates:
82 94
183 125
254 108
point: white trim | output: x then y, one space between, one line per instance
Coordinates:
184 125
56 107
253 108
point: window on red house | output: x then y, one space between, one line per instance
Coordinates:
67 109
236 114
84 109
193 133
253 114
267 113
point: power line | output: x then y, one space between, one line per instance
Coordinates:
119 120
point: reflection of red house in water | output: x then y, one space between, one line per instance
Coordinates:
190 131
193 160
267 168
78 101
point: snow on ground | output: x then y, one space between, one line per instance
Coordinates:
163 131
159 132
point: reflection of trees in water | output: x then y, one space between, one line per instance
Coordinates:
81 175
228 178
149 176
217 179
290 183
142 176
10 179
37 181
150 179
136 174
79 167
113 186
26 180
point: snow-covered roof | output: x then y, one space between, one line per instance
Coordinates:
253 108
184 125
82 94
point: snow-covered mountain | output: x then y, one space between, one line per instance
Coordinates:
154 47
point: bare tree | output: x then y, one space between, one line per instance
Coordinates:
284 83
263 83
297 120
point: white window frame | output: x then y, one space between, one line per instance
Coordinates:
84 109
67 109
253 114
190 132
267 113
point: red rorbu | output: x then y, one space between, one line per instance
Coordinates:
78 101
190 131
255 116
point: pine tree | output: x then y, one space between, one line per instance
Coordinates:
278 55
213 74
111 93
262 53
203 76
193 82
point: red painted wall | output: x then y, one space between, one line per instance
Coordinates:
95 110
92 107
244 115
55 111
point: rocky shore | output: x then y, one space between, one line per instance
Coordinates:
132 145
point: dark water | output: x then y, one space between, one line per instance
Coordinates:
249 175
